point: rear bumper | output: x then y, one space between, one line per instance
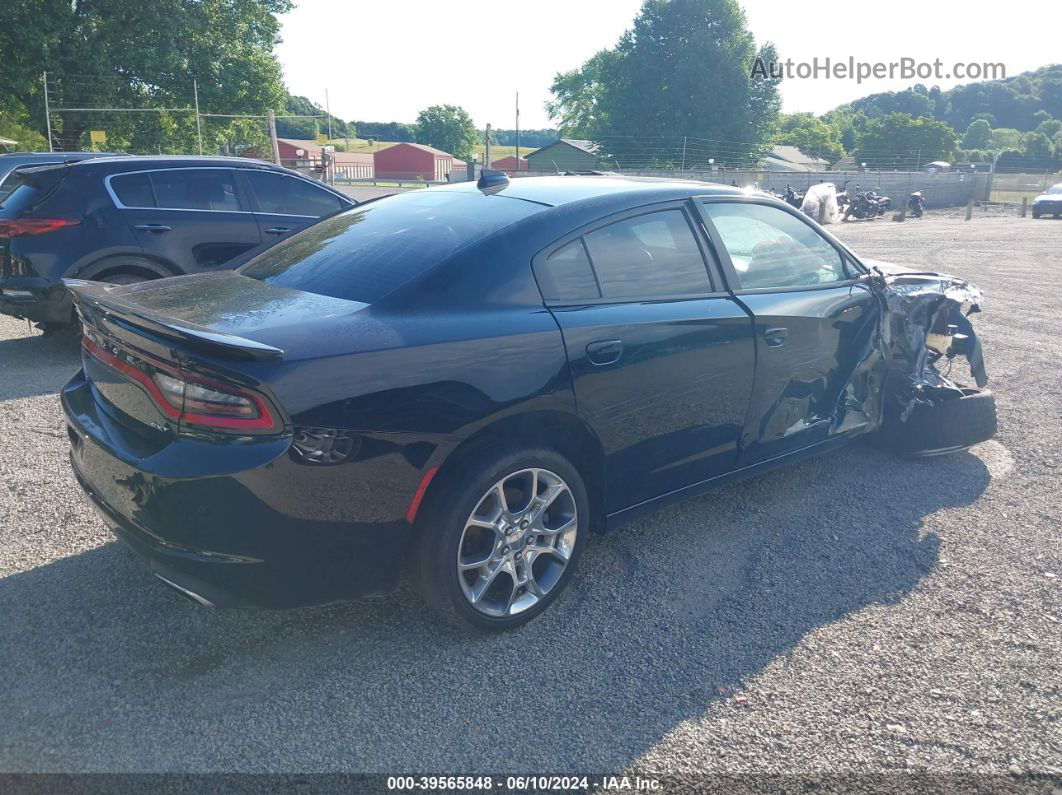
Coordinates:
37 299
251 528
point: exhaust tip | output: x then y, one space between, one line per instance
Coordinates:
200 600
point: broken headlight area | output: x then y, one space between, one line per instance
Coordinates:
926 325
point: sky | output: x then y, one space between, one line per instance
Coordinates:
385 61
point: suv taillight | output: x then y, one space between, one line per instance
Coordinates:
35 226
192 400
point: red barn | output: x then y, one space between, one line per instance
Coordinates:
510 164
350 165
413 161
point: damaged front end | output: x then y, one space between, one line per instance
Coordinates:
925 326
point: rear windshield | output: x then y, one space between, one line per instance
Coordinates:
366 253
20 197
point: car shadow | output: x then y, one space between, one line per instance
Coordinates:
105 668
37 364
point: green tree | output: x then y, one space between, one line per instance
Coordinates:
899 141
977 135
577 98
1037 146
449 128
27 139
1049 127
810 135
687 68
139 54
1004 138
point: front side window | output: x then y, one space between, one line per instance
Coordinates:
178 189
285 195
649 255
771 248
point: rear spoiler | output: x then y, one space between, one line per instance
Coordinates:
99 297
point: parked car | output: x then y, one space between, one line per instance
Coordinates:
124 219
467 380
15 160
1049 202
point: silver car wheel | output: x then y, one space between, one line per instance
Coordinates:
517 542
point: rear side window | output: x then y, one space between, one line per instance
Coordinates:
566 275
134 190
178 189
648 255
195 189
285 195
369 251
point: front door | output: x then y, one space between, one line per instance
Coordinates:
661 359
286 204
816 326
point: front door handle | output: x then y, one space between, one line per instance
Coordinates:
157 228
775 337
604 351
278 230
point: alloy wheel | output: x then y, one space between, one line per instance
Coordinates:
517 542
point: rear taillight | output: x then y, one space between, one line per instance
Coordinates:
35 226
193 400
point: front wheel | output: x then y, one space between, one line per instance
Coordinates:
499 538
946 426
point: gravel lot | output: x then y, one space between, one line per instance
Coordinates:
852 614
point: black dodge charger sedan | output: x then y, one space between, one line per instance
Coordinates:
462 382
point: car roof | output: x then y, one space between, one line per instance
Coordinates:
612 189
57 157
177 161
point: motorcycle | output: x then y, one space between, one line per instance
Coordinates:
792 198
916 204
867 204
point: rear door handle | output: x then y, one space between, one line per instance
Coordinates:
278 230
775 336
152 227
604 351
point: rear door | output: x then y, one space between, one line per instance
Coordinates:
816 322
193 219
661 357
285 204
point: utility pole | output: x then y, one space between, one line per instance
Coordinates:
198 124
683 154
517 130
47 113
328 110
486 154
273 136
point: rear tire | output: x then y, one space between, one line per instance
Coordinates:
949 426
464 521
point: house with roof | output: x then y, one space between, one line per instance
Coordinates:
789 158
565 154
